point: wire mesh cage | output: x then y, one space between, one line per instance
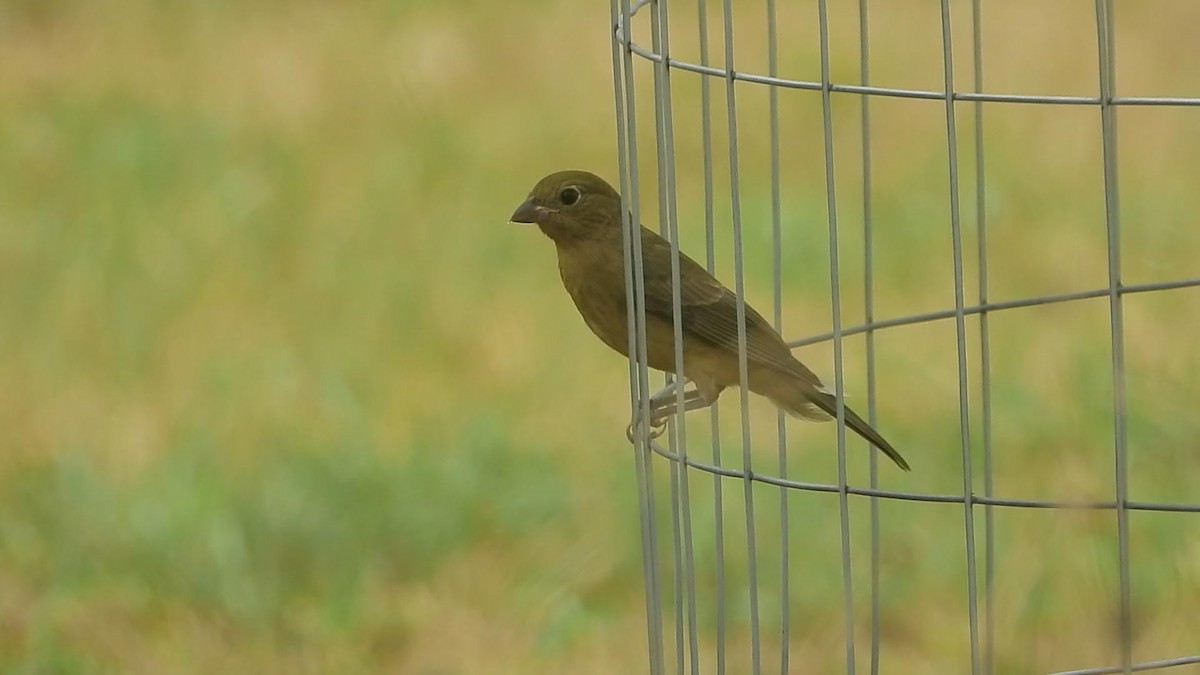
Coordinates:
937 195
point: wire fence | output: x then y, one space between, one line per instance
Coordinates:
708 620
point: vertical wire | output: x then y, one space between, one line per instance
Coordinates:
1108 120
777 272
836 300
714 418
738 270
664 219
864 58
685 559
636 319
985 353
961 339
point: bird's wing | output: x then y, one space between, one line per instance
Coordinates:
709 310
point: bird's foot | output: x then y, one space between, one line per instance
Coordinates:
656 430
657 427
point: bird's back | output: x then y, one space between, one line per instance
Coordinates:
710 310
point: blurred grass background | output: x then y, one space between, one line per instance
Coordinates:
281 391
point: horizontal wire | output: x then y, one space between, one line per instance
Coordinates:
1137 667
896 92
767 479
994 306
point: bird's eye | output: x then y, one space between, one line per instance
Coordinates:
569 195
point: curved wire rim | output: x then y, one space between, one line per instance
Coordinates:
768 479
927 317
621 36
1136 667
951 498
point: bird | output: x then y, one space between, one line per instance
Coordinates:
581 214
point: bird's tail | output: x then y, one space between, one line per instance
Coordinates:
803 401
828 403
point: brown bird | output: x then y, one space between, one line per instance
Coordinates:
582 215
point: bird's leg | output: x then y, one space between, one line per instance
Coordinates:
664 403
666 393
704 395
660 405
660 410
657 427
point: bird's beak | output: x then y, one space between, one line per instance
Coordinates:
529 212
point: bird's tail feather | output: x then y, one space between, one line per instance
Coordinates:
828 403
811 404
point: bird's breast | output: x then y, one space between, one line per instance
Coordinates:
597 286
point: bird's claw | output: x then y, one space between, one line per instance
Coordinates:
657 428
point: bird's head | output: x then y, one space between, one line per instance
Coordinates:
572 206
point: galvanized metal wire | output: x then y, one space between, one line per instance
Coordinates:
628 56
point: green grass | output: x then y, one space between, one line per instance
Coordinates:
298 545
281 390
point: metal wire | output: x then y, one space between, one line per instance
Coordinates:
896 92
714 419
777 319
864 57
980 586
985 353
1112 212
1134 668
623 83
1107 505
681 518
836 306
982 308
960 327
743 367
